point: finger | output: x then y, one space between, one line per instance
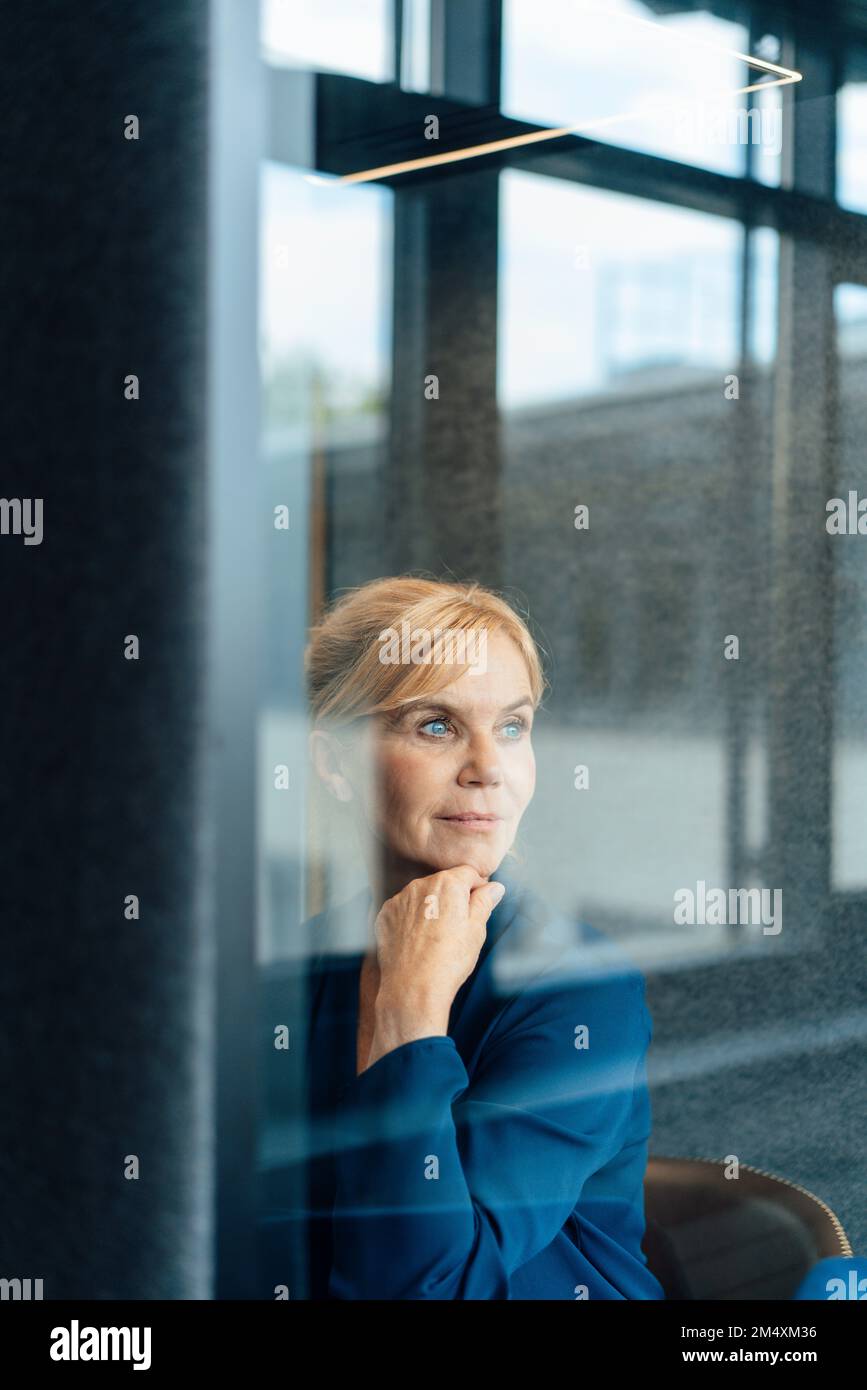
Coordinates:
466 873
483 900
463 874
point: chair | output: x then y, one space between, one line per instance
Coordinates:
753 1237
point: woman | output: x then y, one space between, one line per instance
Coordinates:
479 1108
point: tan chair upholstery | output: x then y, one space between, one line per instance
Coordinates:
751 1237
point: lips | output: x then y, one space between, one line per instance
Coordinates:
471 816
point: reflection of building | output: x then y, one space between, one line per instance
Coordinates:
638 605
677 552
675 310
633 607
634 611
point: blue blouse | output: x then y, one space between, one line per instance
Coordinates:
503 1161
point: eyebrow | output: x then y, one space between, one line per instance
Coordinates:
406 710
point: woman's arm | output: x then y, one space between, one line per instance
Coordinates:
444 1188
404 1018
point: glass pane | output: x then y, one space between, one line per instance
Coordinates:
849 768
615 354
350 36
325 355
664 84
765 124
598 289
764 284
415 55
852 133
570 395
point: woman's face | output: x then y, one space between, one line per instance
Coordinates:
435 764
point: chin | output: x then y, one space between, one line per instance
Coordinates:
484 861
477 851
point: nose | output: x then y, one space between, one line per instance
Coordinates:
482 767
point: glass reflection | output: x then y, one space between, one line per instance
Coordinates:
664 84
349 36
849 767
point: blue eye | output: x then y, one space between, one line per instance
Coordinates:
519 724
444 722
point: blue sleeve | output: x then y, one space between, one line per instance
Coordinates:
444 1188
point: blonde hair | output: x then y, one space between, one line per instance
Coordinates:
346 678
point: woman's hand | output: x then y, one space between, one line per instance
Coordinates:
429 936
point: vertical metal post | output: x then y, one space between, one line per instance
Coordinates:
236 532
444 461
397 38
801 599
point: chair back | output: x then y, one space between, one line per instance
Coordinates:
751 1237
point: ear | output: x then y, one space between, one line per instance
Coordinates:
327 757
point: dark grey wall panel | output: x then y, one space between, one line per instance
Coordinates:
107 1023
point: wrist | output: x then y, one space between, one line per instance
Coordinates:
410 1014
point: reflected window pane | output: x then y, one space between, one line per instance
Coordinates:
349 36
325 341
765 124
322 314
852 134
599 288
764 280
615 364
415 52
849 764
664 84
